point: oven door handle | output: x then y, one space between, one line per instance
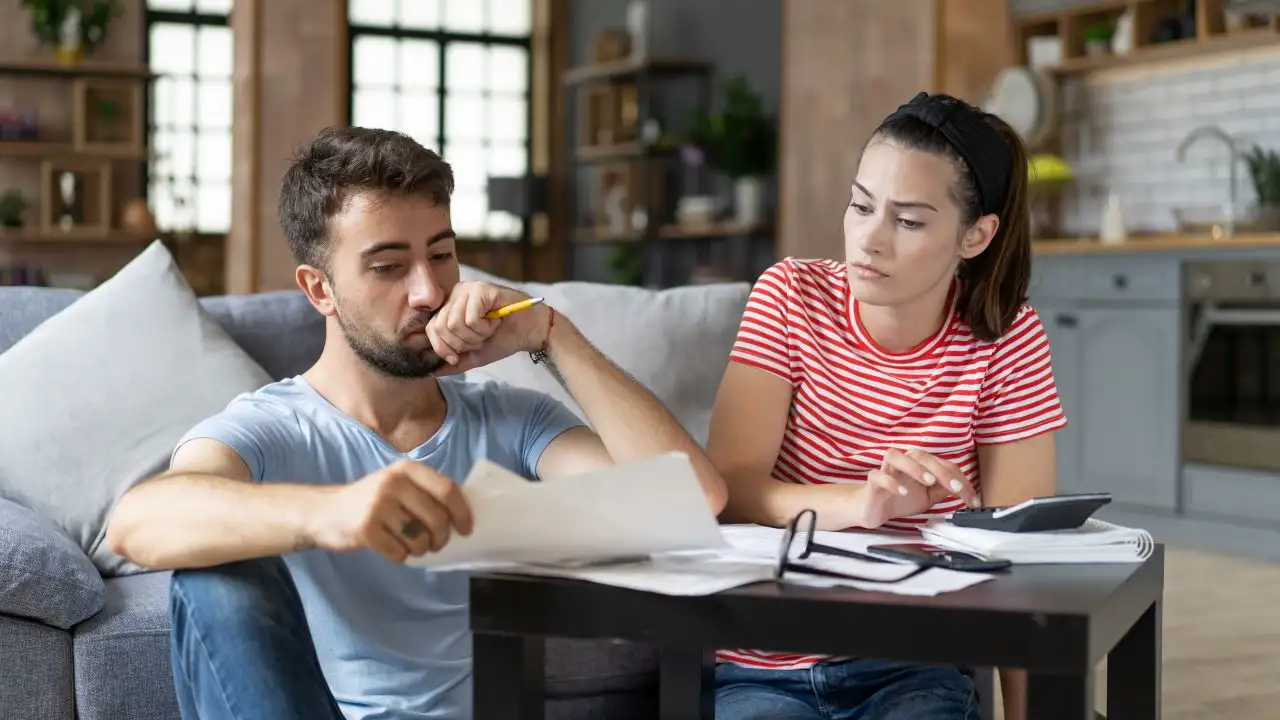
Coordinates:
1211 315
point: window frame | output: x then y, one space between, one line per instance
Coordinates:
443 38
195 19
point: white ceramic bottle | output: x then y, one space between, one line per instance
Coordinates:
1113 229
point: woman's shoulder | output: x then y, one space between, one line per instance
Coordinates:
1025 324
806 270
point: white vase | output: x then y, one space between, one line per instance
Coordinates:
748 200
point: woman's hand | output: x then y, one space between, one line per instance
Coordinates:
909 483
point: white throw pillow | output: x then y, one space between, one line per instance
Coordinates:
95 397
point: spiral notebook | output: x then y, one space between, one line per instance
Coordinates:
1096 541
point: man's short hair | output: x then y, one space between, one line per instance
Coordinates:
342 162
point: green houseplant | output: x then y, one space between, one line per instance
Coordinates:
73 27
740 141
12 207
1264 170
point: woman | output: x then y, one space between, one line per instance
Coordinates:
893 387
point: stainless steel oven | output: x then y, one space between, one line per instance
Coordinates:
1233 363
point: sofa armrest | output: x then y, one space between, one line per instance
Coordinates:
44 576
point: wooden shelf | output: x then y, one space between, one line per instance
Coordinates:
621 151
1070 25
50 149
84 68
724 228
631 67
34 236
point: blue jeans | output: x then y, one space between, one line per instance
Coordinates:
240 646
846 690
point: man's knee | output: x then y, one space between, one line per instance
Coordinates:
232 593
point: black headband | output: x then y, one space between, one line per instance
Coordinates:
978 143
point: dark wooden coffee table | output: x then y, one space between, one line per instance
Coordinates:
1057 621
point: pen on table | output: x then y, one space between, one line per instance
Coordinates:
506 310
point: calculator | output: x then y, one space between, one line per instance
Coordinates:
1056 512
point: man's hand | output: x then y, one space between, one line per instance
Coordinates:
462 335
909 483
402 510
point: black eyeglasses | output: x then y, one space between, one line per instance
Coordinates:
799 534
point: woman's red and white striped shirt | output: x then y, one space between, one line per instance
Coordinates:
852 400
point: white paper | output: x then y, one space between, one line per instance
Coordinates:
632 510
1096 541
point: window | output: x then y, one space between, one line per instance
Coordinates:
454 75
189 48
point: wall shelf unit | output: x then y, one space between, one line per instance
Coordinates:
1162 30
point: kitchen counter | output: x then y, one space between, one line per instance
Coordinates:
1157 243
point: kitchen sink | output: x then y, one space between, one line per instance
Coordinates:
1217 221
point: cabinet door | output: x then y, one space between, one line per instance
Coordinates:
1061 323
1129 412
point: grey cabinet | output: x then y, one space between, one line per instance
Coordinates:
1116 361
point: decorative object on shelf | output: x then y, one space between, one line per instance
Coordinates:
136 218
1122 38
1047 175
22 275
1097 39
13 205
638 28
1027 99
74 27
741 142
1264 170
106 116
1113 230
19 126
76 197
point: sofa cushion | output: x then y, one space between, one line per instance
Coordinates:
96 397
280 330
25 307
122 653
43 574
37 679
675 342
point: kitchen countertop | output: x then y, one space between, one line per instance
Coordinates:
1156 243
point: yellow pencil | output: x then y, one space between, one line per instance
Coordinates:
506 310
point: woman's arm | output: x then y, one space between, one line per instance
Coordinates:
747 425
1011 473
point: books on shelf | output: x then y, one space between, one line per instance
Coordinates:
1096 541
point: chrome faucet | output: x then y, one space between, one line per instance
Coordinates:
1213 131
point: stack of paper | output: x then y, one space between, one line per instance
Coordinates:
1094 542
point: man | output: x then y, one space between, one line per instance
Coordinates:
288 515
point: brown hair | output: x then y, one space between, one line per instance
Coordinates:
993 285
342 162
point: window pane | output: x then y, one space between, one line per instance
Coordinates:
464 66
468 210
213 208
182 155
173 48
214 7
178 98
464 116
162 206
373 108
419 64
214 160
180 5
214 52
419 117
508 161
163 102
162 150
502 225
508 119
508 69
215 104
373 62
181 192
420 14
470 170
380 13
464 15
510 17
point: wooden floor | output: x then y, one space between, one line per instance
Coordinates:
1221 638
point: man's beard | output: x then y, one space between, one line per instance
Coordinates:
391 357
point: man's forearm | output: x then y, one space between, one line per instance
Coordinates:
197 520
630 421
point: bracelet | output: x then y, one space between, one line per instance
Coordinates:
540 356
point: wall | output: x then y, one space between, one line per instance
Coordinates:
1125 127
735 36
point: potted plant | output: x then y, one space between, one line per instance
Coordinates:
12 207
1264 170
741 142
73 27
1097 39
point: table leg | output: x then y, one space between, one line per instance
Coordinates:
1059 697
687 684
1133 670
508 677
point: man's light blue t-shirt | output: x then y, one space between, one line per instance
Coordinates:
393 640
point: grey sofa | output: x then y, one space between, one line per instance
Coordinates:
76 645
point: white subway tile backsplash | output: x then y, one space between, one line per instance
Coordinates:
1121 130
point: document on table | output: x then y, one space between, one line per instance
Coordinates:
629 511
